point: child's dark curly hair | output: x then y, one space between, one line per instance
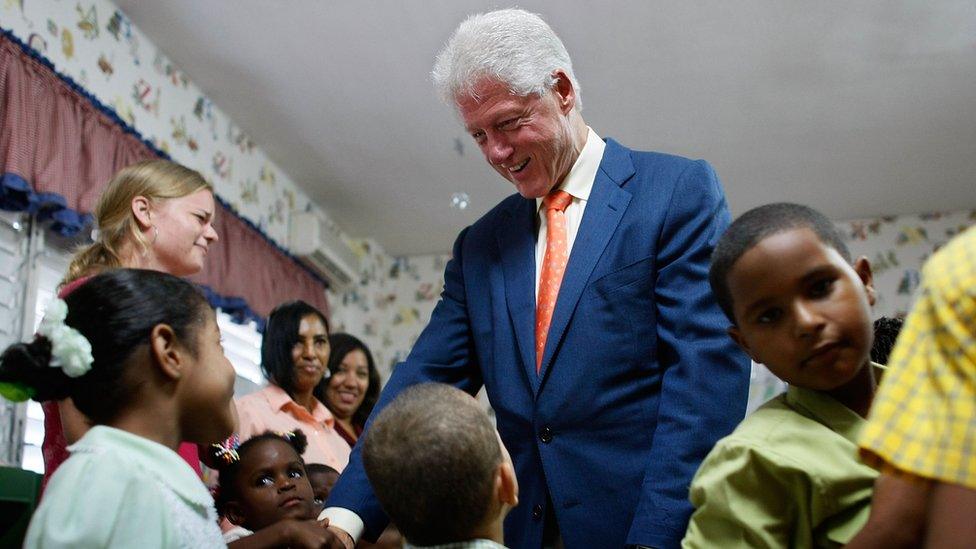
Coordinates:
886 331
227 461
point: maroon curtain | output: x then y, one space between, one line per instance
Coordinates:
61 141
242 263
54 138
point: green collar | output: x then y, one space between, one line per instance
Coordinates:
827 410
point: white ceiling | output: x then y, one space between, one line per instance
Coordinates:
856 108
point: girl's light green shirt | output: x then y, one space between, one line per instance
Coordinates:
121 490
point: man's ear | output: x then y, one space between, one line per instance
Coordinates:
234 513
142 211
167 355
863 269
736 336
506 484
565 91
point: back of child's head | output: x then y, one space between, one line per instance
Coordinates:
886 330
431 457
754 226
235 463
115 312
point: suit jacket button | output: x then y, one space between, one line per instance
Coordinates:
537 512
545 435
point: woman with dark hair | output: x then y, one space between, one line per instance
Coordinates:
294 356
350 392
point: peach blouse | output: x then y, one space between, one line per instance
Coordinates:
271 409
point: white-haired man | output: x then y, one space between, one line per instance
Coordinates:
581 303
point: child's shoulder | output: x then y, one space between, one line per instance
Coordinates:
769 419
121 509
122 465
109 468
117 472
779 430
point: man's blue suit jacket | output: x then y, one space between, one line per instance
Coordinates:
638 378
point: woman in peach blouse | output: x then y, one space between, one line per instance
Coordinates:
294 357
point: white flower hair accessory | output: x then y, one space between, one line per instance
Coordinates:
70 351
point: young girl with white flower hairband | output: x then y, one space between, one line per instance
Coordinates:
139 353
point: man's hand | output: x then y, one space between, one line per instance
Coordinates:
307 534
300 534
341 539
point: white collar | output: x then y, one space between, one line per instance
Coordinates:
579 180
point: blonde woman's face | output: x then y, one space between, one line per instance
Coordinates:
185 232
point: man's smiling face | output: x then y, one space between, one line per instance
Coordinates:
528 140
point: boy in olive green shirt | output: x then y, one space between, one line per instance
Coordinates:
789 475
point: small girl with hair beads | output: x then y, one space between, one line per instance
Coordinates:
264 490
139 353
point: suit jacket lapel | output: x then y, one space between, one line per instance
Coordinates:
604 209
516 245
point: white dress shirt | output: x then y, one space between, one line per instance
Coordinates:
578 183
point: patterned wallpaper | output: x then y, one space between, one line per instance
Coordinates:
395 298
897 246
96 45
392 303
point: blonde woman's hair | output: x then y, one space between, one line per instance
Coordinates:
153 179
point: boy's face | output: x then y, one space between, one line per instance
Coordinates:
271 486
801 310
322 483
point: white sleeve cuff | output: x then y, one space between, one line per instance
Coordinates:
345 519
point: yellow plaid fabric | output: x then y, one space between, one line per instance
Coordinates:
923 421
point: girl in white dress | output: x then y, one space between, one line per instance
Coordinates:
139 353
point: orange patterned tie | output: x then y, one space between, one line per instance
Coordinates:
553 266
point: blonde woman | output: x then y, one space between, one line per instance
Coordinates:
157 215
